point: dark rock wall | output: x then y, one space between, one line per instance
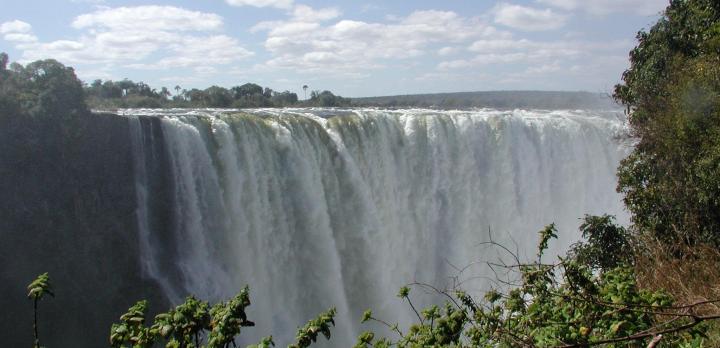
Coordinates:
67 207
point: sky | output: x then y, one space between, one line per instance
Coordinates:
353 48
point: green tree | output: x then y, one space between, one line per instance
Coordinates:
36 291
48 88
131 331
193 323
218 97
165 93
671 181
607 245
3 61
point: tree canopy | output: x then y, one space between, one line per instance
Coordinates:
43 88
671 181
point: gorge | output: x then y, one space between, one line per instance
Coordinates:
311 207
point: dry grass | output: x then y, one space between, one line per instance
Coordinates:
690 275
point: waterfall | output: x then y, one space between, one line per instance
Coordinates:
316 208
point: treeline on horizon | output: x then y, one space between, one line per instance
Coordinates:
129 94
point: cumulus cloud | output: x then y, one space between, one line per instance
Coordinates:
308 14
200 52
303 42
541 56
16 26
160 37
20 37
447 51
18 32
149 18
284 4
527 18
604 7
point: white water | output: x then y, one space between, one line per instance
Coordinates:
314 212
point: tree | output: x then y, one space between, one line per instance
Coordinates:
3 61
194 322
246 90
126 86
327 99
111 90
305 87
165 93
36 291
218 97
607 245
285 98
671 181
49 89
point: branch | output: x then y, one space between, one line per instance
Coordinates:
638 336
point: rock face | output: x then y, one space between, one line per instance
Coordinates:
67 207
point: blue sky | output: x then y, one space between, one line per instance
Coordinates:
358 48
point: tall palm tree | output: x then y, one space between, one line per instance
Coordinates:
305 87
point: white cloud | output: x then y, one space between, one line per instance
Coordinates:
499 45
284 4
20 37
544 68
16 26
308 14
305 44
447 51
604 7
541 56
527 18
158 37
149 18
199 52
563 4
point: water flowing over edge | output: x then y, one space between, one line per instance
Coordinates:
339 207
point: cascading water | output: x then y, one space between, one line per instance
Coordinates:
321 208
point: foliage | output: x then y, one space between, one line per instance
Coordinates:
127 93
266 342
229 318
570 303
39 287
131 331
607 245
308 334
193 322
36 291
326 99
45 88
671 181
182 325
